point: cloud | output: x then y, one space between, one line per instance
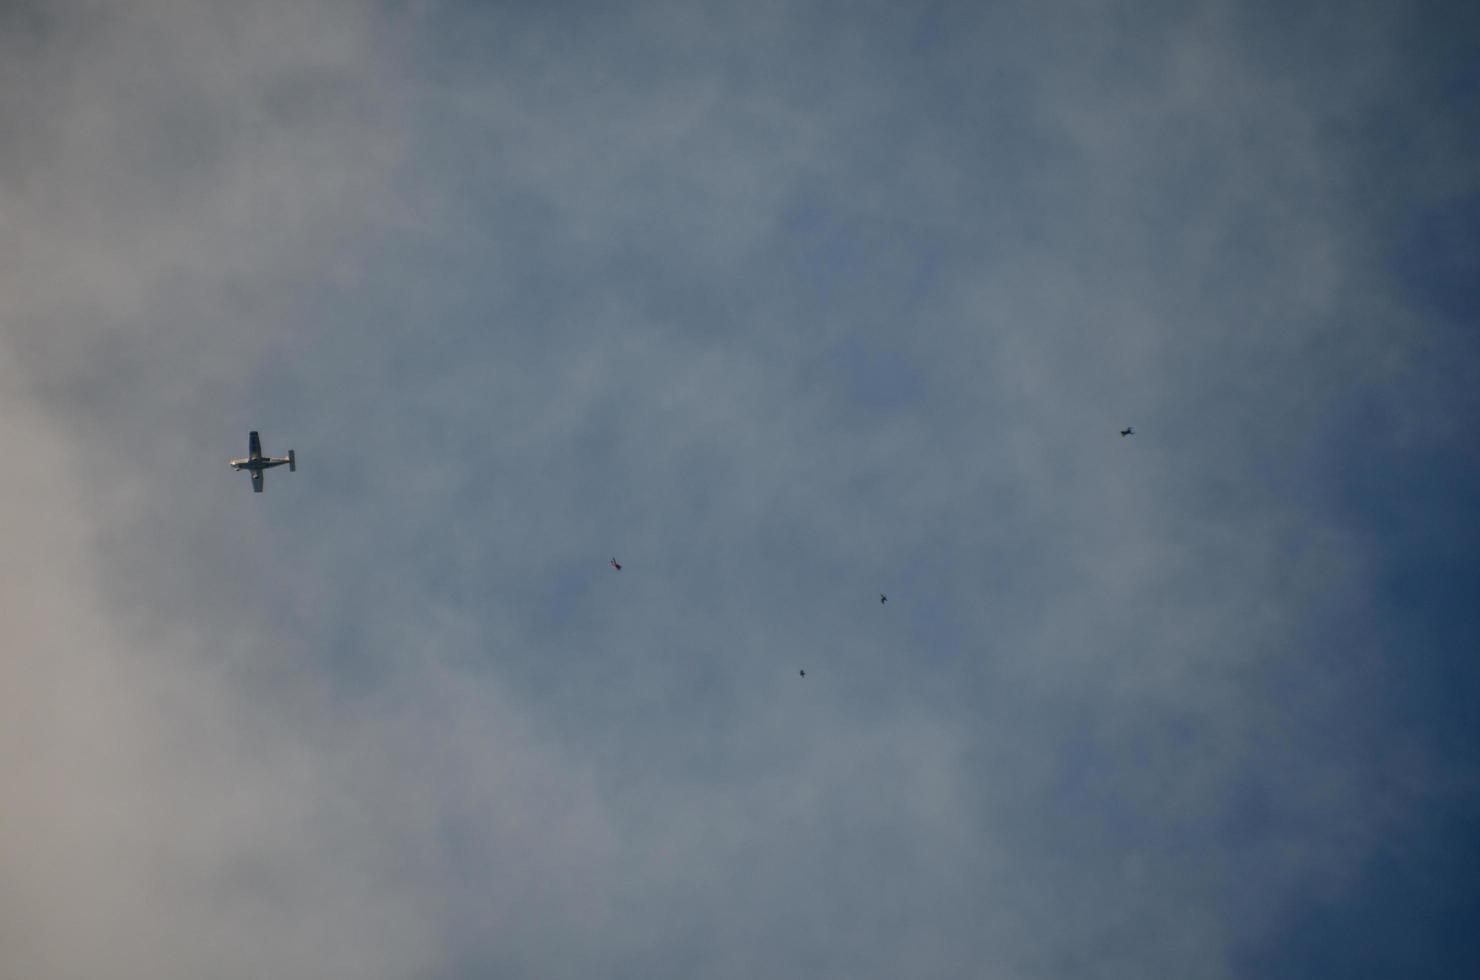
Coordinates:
784 307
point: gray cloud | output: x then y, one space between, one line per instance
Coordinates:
784 307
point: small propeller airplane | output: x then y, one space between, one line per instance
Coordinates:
257 464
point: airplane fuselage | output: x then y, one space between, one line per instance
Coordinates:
257 465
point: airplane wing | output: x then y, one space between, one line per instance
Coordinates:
254 446
259 479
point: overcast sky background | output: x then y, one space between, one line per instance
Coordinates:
784 304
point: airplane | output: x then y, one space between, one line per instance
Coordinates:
257 464
1128 431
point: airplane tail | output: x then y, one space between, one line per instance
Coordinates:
292 462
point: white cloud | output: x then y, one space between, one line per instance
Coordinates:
784 311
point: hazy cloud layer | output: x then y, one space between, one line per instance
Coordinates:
785 306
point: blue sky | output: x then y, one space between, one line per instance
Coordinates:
784 306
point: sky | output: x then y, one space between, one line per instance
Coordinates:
784 305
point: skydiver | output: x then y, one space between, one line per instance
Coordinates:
1127 431
802 672
615 565
883 598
